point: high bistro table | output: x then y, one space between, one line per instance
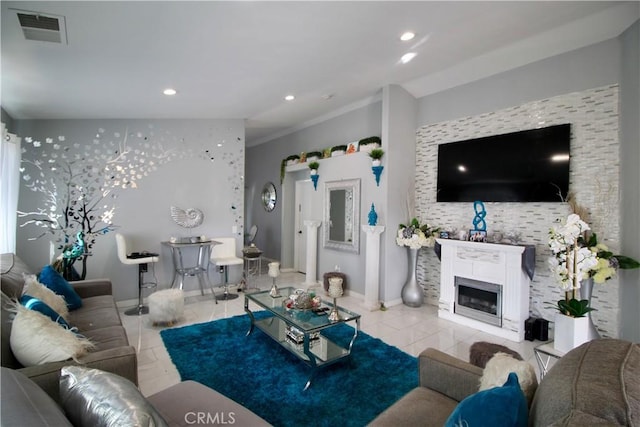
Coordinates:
199 268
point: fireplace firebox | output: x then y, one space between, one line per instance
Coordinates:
478 300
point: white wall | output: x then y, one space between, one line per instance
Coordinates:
198 164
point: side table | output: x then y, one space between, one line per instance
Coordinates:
252 267
545 353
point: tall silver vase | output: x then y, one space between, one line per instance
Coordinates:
412 292
586 289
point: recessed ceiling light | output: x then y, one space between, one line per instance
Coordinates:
560 158
462 168
405 37
169 92
407 57
289 98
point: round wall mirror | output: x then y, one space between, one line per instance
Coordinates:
269 196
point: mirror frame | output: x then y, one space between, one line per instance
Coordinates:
269 196
346 184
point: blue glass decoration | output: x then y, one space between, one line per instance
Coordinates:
314 178
377 171
373 216
479 223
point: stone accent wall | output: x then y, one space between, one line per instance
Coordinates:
594 178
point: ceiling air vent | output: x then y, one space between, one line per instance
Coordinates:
42 27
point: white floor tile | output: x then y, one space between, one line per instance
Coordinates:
410 329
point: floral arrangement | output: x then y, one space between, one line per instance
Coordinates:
577 255
416 236
571 263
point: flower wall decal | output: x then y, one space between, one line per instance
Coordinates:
80 183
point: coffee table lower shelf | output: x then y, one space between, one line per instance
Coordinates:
316 352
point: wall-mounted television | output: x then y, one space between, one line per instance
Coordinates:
526 166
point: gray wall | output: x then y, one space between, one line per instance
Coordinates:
197 164
630 180
263 165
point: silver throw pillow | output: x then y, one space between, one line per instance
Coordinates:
91 397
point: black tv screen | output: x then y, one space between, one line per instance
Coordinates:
525 166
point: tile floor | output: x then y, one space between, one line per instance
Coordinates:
410 329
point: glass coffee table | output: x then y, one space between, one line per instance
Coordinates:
300 331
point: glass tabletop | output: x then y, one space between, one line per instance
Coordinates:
304 320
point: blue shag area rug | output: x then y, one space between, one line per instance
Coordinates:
258 373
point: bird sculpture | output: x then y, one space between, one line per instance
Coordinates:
77 250
188 218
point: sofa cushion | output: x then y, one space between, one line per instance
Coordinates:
36 339
96 312
599 380
497 370
503 406
106 338
41 307
13 271
26 404
58 284
183 404
415 408
91 397
38 290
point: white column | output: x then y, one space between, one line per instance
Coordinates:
372 267
312 252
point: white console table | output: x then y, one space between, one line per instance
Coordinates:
492 263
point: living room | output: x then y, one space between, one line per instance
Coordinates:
226 181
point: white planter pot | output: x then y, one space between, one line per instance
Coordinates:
313 171
376 162
570 332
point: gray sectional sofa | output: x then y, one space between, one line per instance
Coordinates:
597 383
98 319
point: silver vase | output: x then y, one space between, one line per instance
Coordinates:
412 292
586 289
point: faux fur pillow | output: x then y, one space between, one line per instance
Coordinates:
36 339
497 371
38 290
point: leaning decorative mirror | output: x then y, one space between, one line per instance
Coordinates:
342 215
269 196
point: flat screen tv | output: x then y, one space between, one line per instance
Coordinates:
526 166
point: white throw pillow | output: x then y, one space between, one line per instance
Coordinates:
37 290
36 339
497 371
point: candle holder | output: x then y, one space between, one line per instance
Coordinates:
274 272
335 291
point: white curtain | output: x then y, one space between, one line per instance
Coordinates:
9 188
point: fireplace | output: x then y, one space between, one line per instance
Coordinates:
478 300
485 286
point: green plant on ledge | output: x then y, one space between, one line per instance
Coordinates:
283 165
376 153
317 154
314 165
338 148
370 140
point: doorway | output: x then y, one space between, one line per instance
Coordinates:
302 205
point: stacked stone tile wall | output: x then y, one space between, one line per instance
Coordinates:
594 178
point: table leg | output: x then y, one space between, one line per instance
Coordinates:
253 319
312 360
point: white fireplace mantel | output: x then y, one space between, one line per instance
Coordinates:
487 262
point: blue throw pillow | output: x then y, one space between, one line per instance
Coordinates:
58 284
503 406
36 305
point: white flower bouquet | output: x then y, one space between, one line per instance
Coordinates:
416 236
